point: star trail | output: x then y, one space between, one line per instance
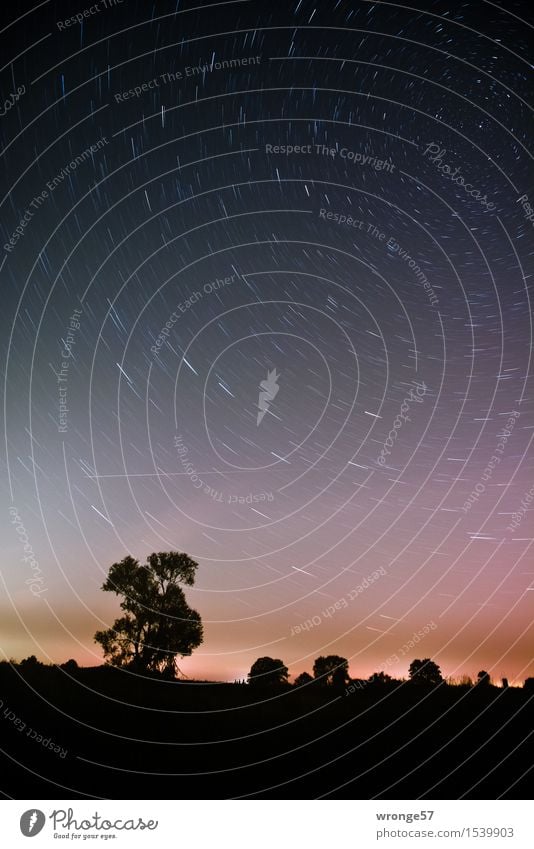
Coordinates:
266 275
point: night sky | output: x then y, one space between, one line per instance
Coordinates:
266 299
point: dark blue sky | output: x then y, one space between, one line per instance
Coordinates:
335 195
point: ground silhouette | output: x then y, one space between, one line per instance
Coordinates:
108 732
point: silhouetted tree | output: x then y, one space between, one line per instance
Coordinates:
268 672
302 679
158 624
528 686
70 666
30 662
332 669
504 683
425 672
483 679
379 679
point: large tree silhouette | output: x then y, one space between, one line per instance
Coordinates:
379 679
425 672
303 679
268 672
332 669
158 624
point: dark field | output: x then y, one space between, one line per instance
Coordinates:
121 736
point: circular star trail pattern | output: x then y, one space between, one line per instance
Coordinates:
266 282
